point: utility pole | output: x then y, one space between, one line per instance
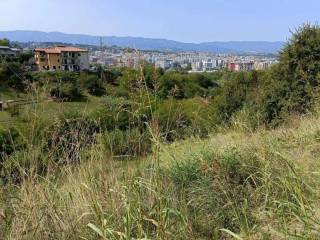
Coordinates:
101 68
101 44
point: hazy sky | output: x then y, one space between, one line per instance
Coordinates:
183 20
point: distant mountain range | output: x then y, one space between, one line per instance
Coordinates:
145 43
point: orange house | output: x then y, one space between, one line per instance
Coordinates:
61 58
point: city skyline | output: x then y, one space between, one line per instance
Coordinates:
186 21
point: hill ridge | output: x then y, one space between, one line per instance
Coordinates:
144 43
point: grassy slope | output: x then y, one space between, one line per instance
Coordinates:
48 109
178 199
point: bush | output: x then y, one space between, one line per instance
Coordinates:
111 76
66 91
115 113
8 142
293 84
173 121
14 75
69 136
182 85
92 84
128 143
179 119
232 96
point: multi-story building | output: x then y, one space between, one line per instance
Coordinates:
240 66
61 58
164 63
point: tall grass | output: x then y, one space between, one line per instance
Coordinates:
74 181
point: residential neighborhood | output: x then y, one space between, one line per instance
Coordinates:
191 61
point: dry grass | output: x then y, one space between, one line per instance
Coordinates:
193 189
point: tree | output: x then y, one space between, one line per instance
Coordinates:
294 82
4 42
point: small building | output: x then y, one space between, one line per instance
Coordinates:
6 51
61 58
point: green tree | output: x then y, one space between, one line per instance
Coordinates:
4 42
293 83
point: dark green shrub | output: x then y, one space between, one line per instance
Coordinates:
66 91
171 84
233 95
111 76
293 84
14 75
92 84
182 85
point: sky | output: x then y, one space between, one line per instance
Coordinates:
182 20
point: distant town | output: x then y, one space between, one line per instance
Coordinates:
58 56
191 61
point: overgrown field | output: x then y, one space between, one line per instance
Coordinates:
262 185
148 154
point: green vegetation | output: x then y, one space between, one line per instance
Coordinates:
148 154
4 42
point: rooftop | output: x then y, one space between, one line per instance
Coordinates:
60 49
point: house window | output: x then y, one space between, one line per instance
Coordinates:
79 54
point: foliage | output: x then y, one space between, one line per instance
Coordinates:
66 91
127 144
180 85
4 42
8 142
92 84
69 136
293 84
234 94
13 74
59 179
179 119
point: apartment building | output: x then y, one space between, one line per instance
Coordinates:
61 58
240 66
164 63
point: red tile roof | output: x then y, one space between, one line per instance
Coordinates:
70 49
60 49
